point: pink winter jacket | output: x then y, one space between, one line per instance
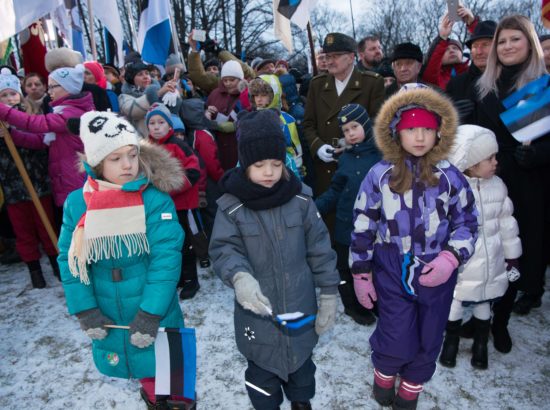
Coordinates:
63 147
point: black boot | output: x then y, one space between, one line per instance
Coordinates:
450 344
189 281
300 405
526 302
160 401
501 337
37 278
479 348
467 329
55 266
502 310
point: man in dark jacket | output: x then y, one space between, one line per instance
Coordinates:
370 54
406 62
328 93
462 87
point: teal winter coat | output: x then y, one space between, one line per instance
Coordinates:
121 286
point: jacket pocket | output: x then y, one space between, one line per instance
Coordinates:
293 219
249 229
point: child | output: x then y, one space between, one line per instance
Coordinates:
49 131
265 92
485 277
120 248
27 225
161 131
271 245
414 223
359 156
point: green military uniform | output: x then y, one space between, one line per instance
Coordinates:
321 114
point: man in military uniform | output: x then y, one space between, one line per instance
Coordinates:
327 94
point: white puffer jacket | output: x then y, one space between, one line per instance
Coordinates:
484 276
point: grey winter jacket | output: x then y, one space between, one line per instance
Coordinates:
287 249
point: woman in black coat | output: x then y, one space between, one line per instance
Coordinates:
516 58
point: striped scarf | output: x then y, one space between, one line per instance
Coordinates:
113 218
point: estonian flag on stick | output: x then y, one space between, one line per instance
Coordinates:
527 114
176 362
154 33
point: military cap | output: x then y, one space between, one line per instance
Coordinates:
338 42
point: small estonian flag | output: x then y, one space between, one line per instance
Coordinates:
176 362
527 114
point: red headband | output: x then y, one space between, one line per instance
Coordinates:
416 118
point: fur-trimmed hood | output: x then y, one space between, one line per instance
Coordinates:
166 172
428 99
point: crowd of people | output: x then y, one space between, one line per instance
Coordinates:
391 181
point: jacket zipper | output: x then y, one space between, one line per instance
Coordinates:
127 335
484 241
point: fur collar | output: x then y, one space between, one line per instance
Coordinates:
167 174
432 101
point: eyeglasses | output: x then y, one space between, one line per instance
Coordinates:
53 86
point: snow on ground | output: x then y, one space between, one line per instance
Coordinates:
46 359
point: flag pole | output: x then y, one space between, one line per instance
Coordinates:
28 184
312 48
92 32
131 23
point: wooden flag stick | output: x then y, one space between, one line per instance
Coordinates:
312 48
116 327
92 30
28 184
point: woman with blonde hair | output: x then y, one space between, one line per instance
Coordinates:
515 59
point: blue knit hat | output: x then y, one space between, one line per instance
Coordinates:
71 79
9 81
354 112
162 110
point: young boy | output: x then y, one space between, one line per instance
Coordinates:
360 154
266 92
161 131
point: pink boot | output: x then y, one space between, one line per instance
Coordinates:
383 388
407 396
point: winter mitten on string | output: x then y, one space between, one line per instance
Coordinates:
439 270
249 295
364 289
92 321
512 270
326 314
143 329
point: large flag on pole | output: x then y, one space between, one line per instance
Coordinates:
154 33
546 13
76 26
297 11
62 20
107 12
281 27
176 362
17 15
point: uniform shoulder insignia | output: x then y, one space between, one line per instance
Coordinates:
319 76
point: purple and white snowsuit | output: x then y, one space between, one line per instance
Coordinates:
395 235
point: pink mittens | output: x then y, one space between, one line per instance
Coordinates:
439 270
364 289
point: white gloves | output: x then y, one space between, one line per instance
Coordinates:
325 153
326 314
249 295
170 98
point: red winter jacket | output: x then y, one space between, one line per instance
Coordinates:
205 146
188 196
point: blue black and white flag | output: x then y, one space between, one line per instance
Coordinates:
154 33
176 362
297 11
527 114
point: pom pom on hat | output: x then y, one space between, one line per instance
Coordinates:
232 68
62 57
71 79
260 137
105 132
162 110
9 81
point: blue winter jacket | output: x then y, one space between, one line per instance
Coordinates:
353 165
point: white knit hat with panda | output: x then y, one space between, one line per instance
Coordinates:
105 132
9 81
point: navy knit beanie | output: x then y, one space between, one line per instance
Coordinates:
159 109
354 112
260 137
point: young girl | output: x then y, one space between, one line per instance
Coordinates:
120 248
414 223
485 277
49 131
161 132
270 244
27 225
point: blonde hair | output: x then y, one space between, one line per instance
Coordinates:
143 167
533 67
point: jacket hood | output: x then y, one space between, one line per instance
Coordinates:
166 172
192 114
83 101
428 99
